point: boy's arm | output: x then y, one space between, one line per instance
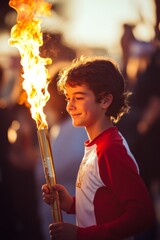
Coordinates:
72 209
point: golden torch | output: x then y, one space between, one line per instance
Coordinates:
26 35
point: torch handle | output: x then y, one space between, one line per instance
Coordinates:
49 171
56 210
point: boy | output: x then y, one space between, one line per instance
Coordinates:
111 200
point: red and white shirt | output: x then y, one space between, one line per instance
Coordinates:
111 200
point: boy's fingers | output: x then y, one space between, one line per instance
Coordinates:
45 188
57 187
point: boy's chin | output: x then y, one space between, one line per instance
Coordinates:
76 124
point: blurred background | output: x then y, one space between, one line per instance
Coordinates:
126 30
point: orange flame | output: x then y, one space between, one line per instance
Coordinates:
26 35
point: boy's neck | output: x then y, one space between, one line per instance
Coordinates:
93 132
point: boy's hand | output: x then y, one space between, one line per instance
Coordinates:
66 200
63 231
47 194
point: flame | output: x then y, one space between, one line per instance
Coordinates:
27 37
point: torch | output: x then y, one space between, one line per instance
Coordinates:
49 171
26 35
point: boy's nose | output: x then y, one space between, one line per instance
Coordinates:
70 105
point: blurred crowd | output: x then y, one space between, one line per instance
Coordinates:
21 171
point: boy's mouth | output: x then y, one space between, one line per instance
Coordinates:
75 115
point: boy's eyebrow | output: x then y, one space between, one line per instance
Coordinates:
83 93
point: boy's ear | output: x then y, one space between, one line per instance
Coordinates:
106 101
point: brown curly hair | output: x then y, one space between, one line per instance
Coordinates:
102 76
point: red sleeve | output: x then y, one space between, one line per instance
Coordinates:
118 171
72 209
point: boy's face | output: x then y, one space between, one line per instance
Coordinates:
82 107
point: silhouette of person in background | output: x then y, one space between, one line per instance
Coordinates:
18 154
55 48
147 104
157 27
6 208
126 41
135 55
23 156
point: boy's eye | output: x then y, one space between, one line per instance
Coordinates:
79 98
76 98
